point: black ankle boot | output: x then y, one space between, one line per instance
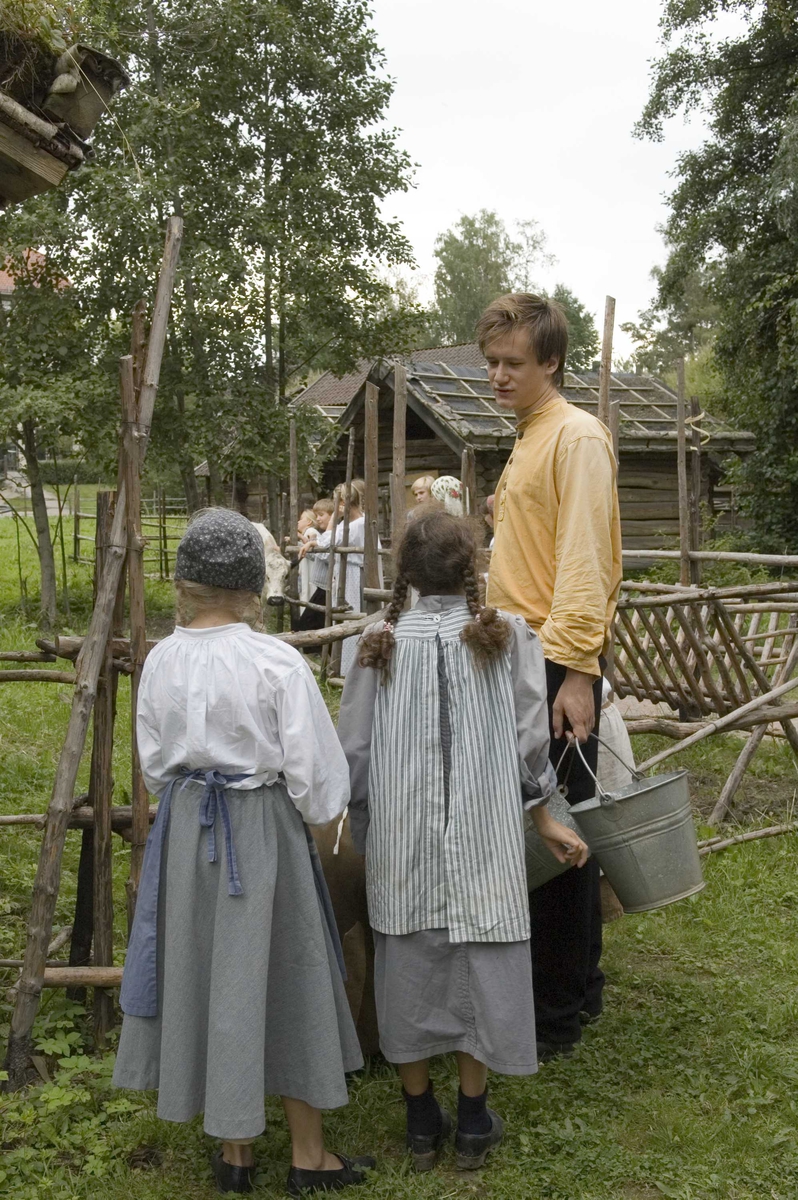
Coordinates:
428 1129
230 1178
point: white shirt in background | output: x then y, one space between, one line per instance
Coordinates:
233 700
320 563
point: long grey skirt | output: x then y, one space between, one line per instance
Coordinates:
435 996
251 1001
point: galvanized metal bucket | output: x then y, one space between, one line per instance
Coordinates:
541 865
644 839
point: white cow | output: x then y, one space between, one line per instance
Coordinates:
277 567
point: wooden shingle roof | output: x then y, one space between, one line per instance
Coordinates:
448 387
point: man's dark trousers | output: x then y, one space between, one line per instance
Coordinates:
566 911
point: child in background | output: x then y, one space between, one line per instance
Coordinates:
232 989
444 723
307 534
420 489
319 564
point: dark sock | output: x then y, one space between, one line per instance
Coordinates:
423 1113
472 1113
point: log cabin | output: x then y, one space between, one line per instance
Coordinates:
450 407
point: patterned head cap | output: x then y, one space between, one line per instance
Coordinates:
449 492
222 548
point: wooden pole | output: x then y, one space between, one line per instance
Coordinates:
714 845
76 522
293 481
468 480
371 567
724 802
48 873
293 508
695 491
138 632
343 559
681 467
399 468
162 539
721 724
100 793
138 342
605 371
328 615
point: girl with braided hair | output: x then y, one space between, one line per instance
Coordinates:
445 728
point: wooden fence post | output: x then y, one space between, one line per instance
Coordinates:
343 559
398 493
76 522
138 634
695 490
48 872
371 566
293 514
328 608
605 371
468 480
101 789
681 466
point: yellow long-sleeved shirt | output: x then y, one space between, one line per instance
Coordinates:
557 556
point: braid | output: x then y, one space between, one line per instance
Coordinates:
471 587
488 633
376 646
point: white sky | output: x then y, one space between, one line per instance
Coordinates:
527 107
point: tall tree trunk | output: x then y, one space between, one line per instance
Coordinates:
241 497
215 479
190 485
49 609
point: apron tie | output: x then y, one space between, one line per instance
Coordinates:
214 801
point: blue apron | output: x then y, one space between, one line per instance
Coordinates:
139 994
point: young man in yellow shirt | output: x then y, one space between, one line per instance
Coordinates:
557 561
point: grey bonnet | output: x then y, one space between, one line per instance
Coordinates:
222 548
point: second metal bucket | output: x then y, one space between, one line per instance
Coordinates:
644 839
541 865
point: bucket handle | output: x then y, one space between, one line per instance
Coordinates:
637 775
605 797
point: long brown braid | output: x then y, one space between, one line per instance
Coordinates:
487 635
376 645
438 555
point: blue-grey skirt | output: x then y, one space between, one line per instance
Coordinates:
435 997
251 1001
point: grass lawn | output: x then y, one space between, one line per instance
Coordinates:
684 1089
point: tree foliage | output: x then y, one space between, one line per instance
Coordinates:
478 260
734 224
261 122
583 338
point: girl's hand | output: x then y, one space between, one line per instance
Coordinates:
564 843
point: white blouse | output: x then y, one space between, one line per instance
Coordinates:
233 700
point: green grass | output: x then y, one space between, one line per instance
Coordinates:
686 1088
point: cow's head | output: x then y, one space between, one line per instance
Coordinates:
277 569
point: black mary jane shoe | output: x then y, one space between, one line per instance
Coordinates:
230 1178
351 1172
473 1148
425 1149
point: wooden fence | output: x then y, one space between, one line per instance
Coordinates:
163 523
